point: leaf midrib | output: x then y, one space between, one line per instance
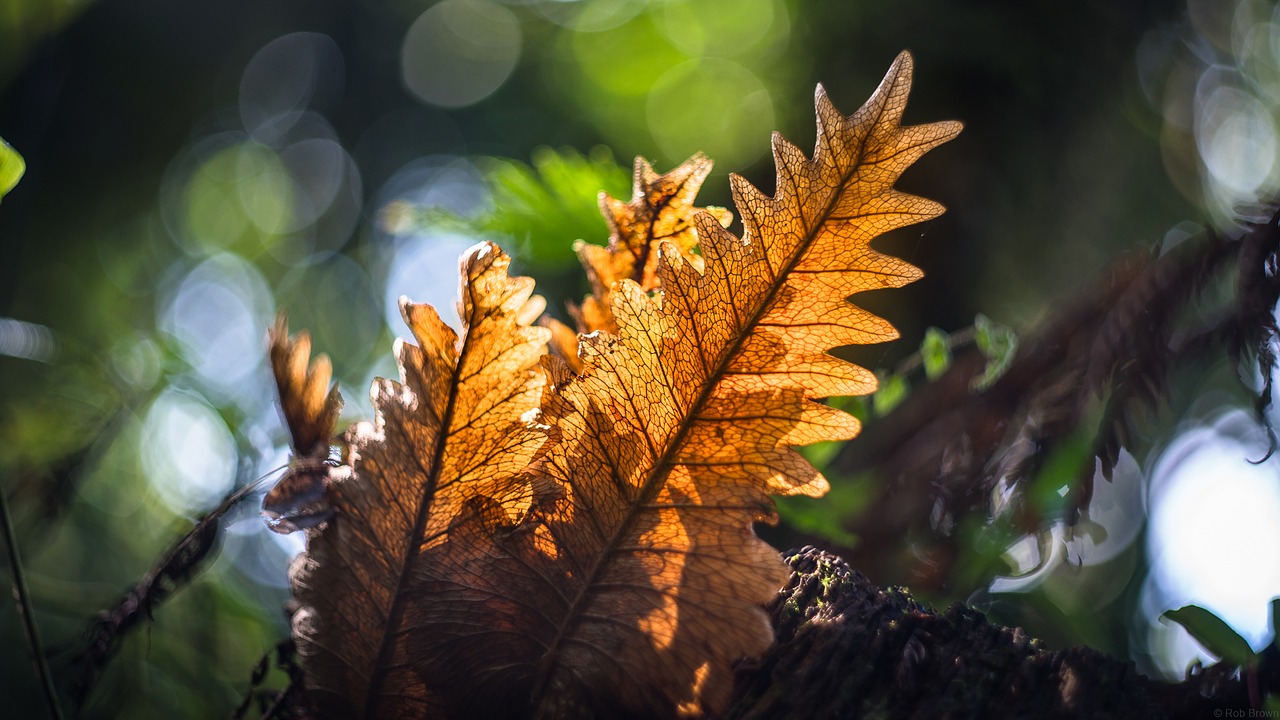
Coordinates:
641 259
395 614
662 467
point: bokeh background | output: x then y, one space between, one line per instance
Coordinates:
195 167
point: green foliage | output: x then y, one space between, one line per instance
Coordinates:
999 344
11 167
935 352
827 516
1215 635
538 209
893 390
1060 472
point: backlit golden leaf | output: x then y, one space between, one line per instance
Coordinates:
448 431
661 210
636 581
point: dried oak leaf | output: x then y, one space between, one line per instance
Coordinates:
450 430
661 210
311 408
636 580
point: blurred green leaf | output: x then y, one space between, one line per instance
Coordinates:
999 344
858 406
1275 622
11 167
546 205
821 454
1214 634
539 208
935 352
893 390
1060 471
829 515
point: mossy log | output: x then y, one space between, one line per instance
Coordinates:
848 649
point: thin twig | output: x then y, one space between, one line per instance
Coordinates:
23 597
176 568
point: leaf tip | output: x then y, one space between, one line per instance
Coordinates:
903 63
891 94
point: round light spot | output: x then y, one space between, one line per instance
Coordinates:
187 452
136 360
624 61
286 76
1213 538
590 15
333 297
217 314
714 106
424 268
265 189
423 264
318 167
445 182
718 27
1115 514
1237 140
211 216
459 52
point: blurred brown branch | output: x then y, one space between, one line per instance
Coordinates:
1100 364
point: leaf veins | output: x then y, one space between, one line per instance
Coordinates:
449 430
600 560
637 580
661 210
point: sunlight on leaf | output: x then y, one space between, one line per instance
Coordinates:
666 448
449 430
578 542
661 210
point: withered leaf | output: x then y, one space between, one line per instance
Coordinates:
450 429
661 210
310 407
637 580
600 559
